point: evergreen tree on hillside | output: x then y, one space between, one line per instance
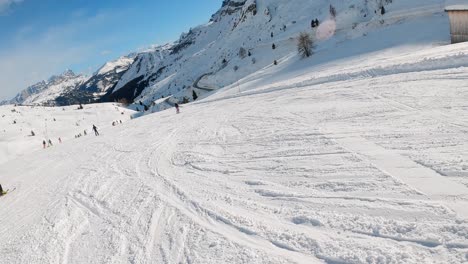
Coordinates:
304 45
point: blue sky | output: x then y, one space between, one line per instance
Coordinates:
39 38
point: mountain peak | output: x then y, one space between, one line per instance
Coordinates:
68 72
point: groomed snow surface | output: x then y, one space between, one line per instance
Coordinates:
333 165
18 122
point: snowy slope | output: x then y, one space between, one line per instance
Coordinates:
197 57
16 124
360 160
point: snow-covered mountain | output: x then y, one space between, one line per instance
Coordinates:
103 80
69 88
46 92
246 36
243 37
27 93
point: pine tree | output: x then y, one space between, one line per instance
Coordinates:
304 45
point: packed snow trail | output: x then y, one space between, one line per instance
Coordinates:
271 177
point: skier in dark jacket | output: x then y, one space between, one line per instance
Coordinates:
44 143
95 130
177 108
1 190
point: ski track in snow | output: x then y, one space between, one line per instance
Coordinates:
301 182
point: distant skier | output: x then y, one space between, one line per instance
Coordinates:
95 130
85 133
1 190
50 143
60 140
32 133
177 108
44 143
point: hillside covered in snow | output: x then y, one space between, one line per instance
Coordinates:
337 168
247 36
357 154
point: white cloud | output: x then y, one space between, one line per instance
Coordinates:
5 4
35 57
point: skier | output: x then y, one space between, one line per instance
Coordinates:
44 143
1 190
177 108
85 133
50 143
95 130
60 140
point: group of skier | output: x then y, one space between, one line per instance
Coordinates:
114 123
48 143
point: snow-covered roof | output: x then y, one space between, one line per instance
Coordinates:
462 7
